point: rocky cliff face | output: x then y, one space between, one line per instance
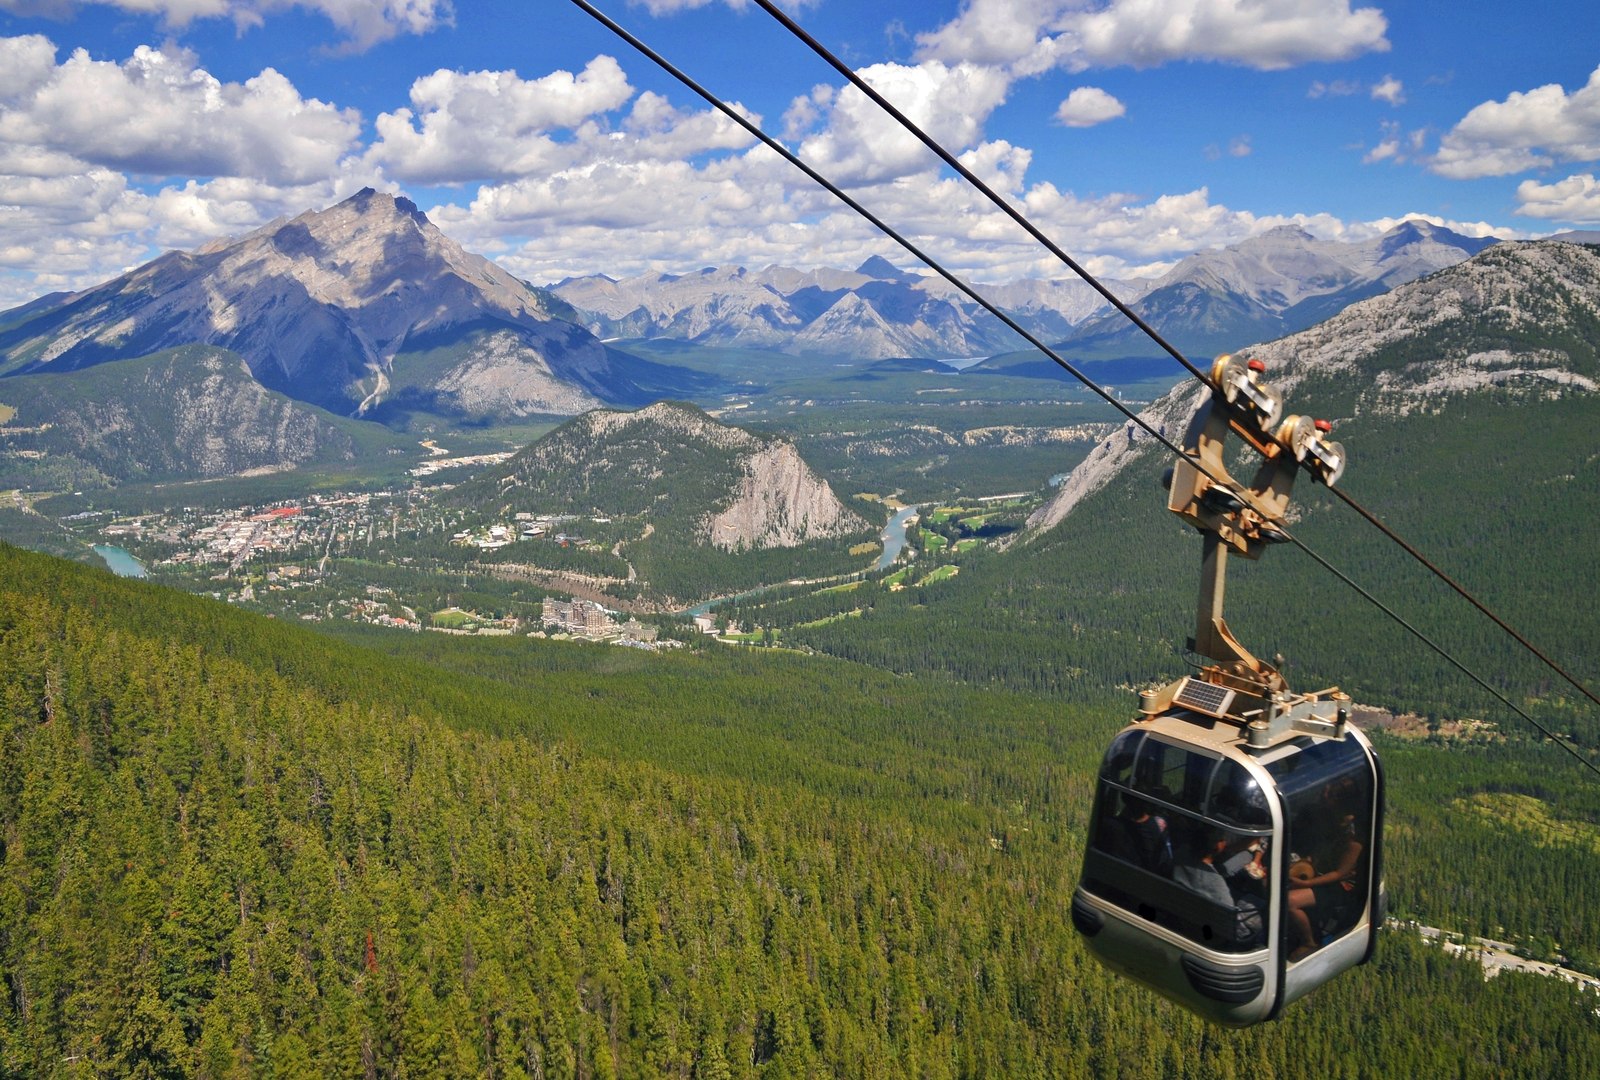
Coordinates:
706 482
1519 317
780 502
328 307
193 411
506 373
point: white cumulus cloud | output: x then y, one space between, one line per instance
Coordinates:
492 124
999 164
363 22
1397 145
1336 88
159 114
1031 36
1575 199
656 129
1528 130
672 7
1389 89
998 32
861 143
1087 106
26 64
1238 147
751 209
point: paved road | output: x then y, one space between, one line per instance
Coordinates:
1498 956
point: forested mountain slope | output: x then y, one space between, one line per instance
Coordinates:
1466 402
191 411
232 847
703 506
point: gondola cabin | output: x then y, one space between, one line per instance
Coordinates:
1234 855
1233 878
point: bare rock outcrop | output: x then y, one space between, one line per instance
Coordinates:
780 503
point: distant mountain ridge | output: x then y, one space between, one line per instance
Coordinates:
1263 287
349 308
1280 282
876 311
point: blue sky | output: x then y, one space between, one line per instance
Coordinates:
1133 131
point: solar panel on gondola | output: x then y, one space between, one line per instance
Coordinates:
1204 697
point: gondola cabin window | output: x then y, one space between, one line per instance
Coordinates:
1326 789
1182 838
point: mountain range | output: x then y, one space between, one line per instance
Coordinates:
1519 318
1274 284
361 309
365 311
1264 287
876 311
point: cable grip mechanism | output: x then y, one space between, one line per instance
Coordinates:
1245 519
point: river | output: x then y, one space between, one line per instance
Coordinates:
121 563
894 536
704 607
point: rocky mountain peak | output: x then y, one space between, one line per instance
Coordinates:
879 267
675 418
1279 235
321 306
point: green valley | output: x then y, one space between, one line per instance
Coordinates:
236 847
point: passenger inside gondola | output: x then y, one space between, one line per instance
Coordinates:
1149 835
1188 837
1327 895
1217 876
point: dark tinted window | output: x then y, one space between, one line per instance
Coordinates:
1182 839
1119 759
1327 793
1171 773
1237 799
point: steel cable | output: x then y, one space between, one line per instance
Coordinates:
767 140
1022 220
